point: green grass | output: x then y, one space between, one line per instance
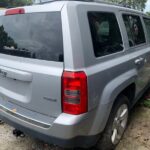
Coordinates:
146 103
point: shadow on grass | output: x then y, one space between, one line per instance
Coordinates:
145 100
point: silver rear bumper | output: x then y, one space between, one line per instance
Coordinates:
66 130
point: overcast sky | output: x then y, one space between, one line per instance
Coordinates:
147 6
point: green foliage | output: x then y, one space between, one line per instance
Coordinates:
147 103
136 4
14 3
5 39
148 13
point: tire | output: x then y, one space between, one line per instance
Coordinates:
110 137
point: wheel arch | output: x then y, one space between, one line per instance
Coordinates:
120 85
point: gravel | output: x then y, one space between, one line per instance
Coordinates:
137 136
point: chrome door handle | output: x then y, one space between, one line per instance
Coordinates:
138 61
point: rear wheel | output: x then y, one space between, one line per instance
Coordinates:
116 125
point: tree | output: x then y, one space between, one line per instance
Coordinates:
148 13
14 3
135 4
5 39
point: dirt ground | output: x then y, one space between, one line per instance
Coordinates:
137 136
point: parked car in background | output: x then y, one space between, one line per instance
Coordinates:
70 71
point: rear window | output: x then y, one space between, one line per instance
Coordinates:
35 35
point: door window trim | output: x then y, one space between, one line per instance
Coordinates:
146 32
120 29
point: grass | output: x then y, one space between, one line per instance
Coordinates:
146 103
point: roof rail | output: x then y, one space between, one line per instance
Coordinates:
121 4
47 1
105 2
43 1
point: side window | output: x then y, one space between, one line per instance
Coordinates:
134 30
147 24
105 33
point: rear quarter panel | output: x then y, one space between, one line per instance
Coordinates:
107 76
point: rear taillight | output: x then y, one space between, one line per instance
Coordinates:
74 93
14 11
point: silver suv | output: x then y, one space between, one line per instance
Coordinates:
70 71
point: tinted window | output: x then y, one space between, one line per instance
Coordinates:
134 30
105 33
36 35
147 24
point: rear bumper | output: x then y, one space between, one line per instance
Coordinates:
66 131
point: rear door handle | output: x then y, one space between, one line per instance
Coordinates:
138 61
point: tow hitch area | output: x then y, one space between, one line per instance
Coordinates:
1 122
18 133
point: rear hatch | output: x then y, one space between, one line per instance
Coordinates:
31 62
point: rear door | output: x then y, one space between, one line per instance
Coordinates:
147 26
31 61
137 48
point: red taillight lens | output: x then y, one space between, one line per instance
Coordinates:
74 93
14 11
